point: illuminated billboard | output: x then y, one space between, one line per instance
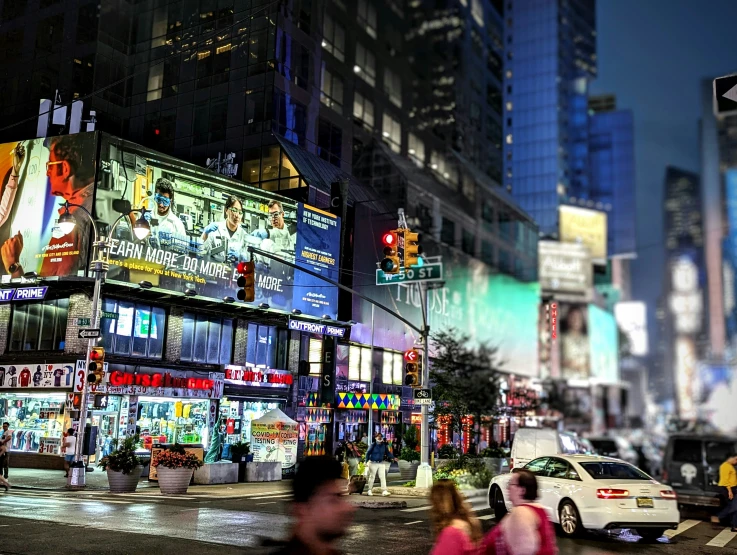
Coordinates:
686 370
686 300
604 345
632 319
574 342
564 267
38 176
202 225
586 227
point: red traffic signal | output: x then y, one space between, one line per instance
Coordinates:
389 239
411 356
246 281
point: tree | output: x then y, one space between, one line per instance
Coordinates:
465 381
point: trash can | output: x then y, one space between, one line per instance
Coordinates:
76 478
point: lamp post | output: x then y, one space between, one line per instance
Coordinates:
99 267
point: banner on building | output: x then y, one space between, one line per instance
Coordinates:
604 345
36 376
631 317
573 340
586 227
564 268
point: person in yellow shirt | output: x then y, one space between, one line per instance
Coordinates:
728 480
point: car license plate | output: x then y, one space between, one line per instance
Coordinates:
645 502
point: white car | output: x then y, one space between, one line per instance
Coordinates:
597 493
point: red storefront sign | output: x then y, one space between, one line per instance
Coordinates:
118 378
257 377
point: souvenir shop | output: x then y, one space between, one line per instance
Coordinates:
162 406
250 392
32 402
352 409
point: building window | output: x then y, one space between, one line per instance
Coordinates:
363 109
359 364
365 64
39 326
329 142
267 346
138 330
416 149
393 87
509 139
311 352
468 242
207 339
333 38
391 131
391 369
448 232
331 90
366 16
447 171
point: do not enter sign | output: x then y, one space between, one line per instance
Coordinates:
412 355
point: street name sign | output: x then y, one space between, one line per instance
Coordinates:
429 272
89 333
725 95
84 321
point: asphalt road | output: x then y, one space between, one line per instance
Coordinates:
33 522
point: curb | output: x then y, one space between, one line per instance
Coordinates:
377 504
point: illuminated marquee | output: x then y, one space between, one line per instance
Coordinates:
118 378
374 401
258 377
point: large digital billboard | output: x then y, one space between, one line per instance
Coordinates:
604 345
564 267
573 338
38 176
587 227
632 319
202 225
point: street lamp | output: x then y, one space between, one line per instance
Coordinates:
99 266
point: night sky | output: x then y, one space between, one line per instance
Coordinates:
653 54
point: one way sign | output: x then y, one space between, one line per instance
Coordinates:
725 95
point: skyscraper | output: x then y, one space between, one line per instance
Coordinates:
550 60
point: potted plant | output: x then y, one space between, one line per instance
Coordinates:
239 453
175 467
409 461
123 467
494 458
358 482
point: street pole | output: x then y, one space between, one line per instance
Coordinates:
424 472
371 383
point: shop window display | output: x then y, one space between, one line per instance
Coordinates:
236 418
163 420
36 421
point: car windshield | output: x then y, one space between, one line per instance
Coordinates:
613 471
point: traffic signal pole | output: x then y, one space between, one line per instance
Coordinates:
424 472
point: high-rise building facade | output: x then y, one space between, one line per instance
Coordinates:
549 61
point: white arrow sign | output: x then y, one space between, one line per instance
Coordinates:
731 94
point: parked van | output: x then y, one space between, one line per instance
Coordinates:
531 443
691 467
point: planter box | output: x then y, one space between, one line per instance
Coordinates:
408 470
263 471
174 480
217 473
357 485
440 463
123 483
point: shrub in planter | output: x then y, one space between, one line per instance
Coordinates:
447 451
409 461
123 467
357 483
175 467
410 437
495 452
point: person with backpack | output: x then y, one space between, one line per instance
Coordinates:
375 456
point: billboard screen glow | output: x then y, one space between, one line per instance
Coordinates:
587 227
604 344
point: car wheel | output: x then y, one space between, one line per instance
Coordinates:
650 534
497 503
570 521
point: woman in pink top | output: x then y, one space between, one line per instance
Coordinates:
457 531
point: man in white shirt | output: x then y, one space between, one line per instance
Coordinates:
169 231
69 446
5 439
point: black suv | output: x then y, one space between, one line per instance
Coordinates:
691 467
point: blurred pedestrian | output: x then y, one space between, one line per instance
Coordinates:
348 455
375 457
69 446
728 482
322 514
457 531
526 530
5 438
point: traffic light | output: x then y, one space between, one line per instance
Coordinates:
412 249
97 365
412 368
391 262
247 281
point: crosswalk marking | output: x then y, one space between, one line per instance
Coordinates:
263 493
268 503
413 522
682 527
486 517
416 509
722 538
270 496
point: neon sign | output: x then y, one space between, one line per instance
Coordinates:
118 378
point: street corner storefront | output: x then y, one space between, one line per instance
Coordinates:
250 393
162 406
355 404
32 402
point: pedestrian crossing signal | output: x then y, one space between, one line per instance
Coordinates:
246 281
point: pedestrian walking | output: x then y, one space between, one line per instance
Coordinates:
5 438
322 514
68 447
348 455
526 530
375 457
728 483
457 531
